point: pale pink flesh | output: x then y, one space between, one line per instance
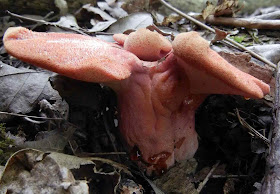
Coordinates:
76 56
157 115
146 45
157 100
209 73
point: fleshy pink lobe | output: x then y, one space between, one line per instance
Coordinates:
209 73
157 99
145 44
76 56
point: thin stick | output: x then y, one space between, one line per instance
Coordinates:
228 176
27 116
251 129
201 185
87 154
45 23
109 134
257 56
101 154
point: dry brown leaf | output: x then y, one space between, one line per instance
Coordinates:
172 18
226 8
219 35
223 8
179 178
33 171
133 6
208 10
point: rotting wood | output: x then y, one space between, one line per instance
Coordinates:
271 181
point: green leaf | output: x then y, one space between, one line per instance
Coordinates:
239 39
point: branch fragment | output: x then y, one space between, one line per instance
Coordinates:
244 22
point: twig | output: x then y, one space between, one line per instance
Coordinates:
45 23
228 176
112 163
244 22
257 56
201 185
100 154
251 129
109 134
46 17
27 116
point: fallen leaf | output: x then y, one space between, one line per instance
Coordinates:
172 18
208 10
226 8
98 171
54 140
134 6
68 161
33 171
223 8
5 24
62 6
22 89
99 12
54 172
68 21
100 26
110 1
132 21
179 178
219 35
114 9
269 51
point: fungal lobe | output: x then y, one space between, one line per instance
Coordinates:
159 84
